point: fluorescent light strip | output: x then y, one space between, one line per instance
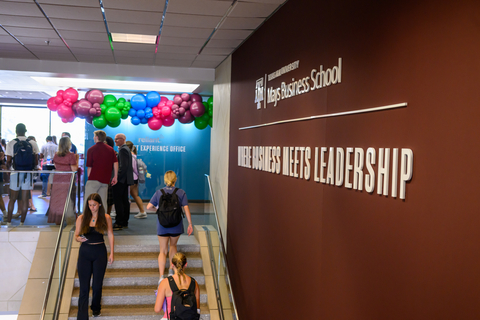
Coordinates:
133 38
116 84
35 105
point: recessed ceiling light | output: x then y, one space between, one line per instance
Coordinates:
133 38
116 84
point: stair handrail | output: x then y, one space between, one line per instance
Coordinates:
222 249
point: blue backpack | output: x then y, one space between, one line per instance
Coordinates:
23 156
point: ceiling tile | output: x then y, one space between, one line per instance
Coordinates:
18 21
242 23
40 50
97 59
277 2
75 13
93 52
41 33
56 56
223 33
120 27
79 35
175 55
28 9
17 54
75 3
133 61
140 5
187 42
205 64
5 38
186 20
179 49
224 43
54 42
12 47
217 51
174 63
199 7
138 17
134 47
253 10
184 32
89 44
79 25
208 57
135 54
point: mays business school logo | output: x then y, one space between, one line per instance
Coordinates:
318 79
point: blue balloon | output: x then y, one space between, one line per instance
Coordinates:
144 120
132 112
135 121
138 102
148 110
153 98
141 114
148 115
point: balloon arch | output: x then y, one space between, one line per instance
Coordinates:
151 109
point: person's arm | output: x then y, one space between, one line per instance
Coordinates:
9 162
115 174
150 206
78 225
160 296
189 218
197 295
110 237
88 171
74 166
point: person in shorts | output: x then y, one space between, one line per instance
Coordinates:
22 182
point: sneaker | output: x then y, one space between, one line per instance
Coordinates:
113 214
117 227
42 196
21 223
96 314
141 215
16 215
4 223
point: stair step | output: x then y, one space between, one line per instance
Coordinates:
143 248
119 278
136 262
120 312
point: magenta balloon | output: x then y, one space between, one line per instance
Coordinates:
184 105
185 96
197 109
95 96
177 99
154 123
175 107
70 94
196 97
181 111
166 111
168 121
186 118
64 120
51 105
163 99
64 112
84 108
174 115
161 104
169 103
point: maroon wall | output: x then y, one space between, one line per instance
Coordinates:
307 250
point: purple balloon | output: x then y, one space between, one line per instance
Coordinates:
175 107
177 99
89 120
181 110
174 115
197 109
186 118
195 97
185 97
94 96
184 105
83 107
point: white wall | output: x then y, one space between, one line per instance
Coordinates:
220 136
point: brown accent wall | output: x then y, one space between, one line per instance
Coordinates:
305 250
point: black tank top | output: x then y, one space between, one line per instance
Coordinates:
93 236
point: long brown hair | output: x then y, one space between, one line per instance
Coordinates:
101 224
64 146
179 260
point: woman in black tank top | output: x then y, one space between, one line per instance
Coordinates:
92 256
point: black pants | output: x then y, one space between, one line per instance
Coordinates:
92 259
122 205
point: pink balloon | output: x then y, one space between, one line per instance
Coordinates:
166 111
64 120
186 118
168 121
177 99
197 109
196 97
94 96
185 96
154 123
64 112
84 108
71 119
169 103
163 99
51 105
161 104
92 112
70 94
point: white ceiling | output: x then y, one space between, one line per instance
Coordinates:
69 38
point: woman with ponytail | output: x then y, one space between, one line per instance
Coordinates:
178 281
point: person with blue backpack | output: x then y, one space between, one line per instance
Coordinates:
22 155
170 201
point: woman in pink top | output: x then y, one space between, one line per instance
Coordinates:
164 293
64 160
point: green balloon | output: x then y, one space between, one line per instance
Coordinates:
122 100
205 117
124 115
205 103
210 122
114 124
109 100
103 108
99 122
128 105
120 105
112 114
200 123
210 110
210 101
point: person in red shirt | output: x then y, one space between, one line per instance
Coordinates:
101 159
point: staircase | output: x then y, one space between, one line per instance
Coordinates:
130 282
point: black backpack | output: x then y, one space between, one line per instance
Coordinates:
23 156
184 302
169 211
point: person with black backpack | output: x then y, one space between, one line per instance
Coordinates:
179 294
169 202
22 153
